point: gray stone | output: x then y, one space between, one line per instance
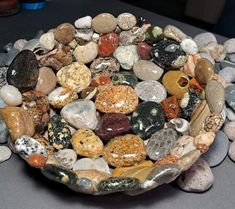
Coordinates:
229 130
230 114
228 74
231 151
31 44
230 96
7 47
4 133
231 57
66 157
229 45
225 63
189 46
5 153
3 59
218 150
202 39
11 56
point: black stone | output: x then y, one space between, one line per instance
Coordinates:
125 78
140 21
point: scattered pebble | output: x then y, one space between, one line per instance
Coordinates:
5 153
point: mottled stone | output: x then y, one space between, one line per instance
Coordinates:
66 158
147 119
126 21
89 93
47 40
231 152
229 45
153 34
124 150
125 78
75 76
107 44
174 33
132 36
206 138
213 122
217 51
43 141
144 50
202 39
229 130
3 76
80 114
10 95
180 125
64 33
230 96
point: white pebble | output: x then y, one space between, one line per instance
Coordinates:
11 95
231 151
5 153
47 40
229 45
189 46
84 22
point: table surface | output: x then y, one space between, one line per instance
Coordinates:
25 188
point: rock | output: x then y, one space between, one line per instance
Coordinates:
168 54
7 47
59 133
3 59
66 158
180 125
217 51
132 36
86 164
202 39
11 56
160 143
147 70
27 146
189 46
92 174
171 109
218 150
37 160
86 143
127 56
228 74
61 96
20 43
176 83
229 45
46 80
198 178
207 56
44 141
112 125
213 122
213 88
64 33
104 23
206 138
144 50
31 44
82 37
11 95
126 21
83 22
189 66
150 90
23 71
174 33
126 150
147 118
230 114
204 71
47 40
169 159
89 93
18 121
5 153
118 99
3 76
75 76
230 96
37 105
80 114
231 152
101 81
153 34
86 53
107 44
4 133
229 130
231 58
125 78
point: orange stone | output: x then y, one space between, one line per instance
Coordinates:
171 107
37 161
202 147
169 159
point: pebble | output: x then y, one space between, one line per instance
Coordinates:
4 133
66 158
132 36
64 33
207 56
213 122
213 88
169 159
83 22
160 143
230 114
5 153
112 125
3 76
127 56
176 83
45 142
153 34
172 110
230 96
229 45
31 44
125 78
59 133
229 130
46 80
118 99
37 160
104 23
228 74
20 43
92 174
11 55
216 50
202 39
23 71
47 40
231 58
231 152
82 37
174 33
75 76
126 150
126 21
198 178
189 46
80 114
7 47
144 50
61 96
218 150
11 95
89 93
3 59
147 118
86 143
206 138
180 125
147 70
150 90
168 54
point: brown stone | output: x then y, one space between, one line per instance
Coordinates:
64 33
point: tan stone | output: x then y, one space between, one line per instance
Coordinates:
206 138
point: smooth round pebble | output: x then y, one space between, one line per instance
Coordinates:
5 153
230 114
229 45
229 130
202 39
231 152
126 21
11 95
189 46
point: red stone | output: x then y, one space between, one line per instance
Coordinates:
37 161
107 44
171 107
144 50
100 80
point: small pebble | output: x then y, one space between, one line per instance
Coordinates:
66 157
37 160
126 21
202 39
5 153
83 22
231 151
4 133
229 130
231 57
47 41
64 33
228 74
189 46
174 33
229 45
230 96
230 114
11 95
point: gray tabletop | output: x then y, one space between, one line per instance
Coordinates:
22 187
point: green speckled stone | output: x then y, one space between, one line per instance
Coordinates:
118 184
59 133
154 34
147 119
125 78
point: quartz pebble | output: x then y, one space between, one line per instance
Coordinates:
189 46
11 95
126 21
83 22
216 50
229 45
231 151
47 40
5 153
229 130
202 39
66 157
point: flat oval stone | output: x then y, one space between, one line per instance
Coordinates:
144 50
174 33
4 133
216 50
11 95
228 74
230 114
147 119
229 45
27 146
23 71
230 96
37 161
112 125
59 133
119 99
46 80
66 158
213 88
125 78
64 33
198 178
124 150
151 91
5 153
189 46
126 21
202 39
80 114
160 143
231 152
61 96
75 76
127 56
107 44
229 130
218 150
147 70
104 23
